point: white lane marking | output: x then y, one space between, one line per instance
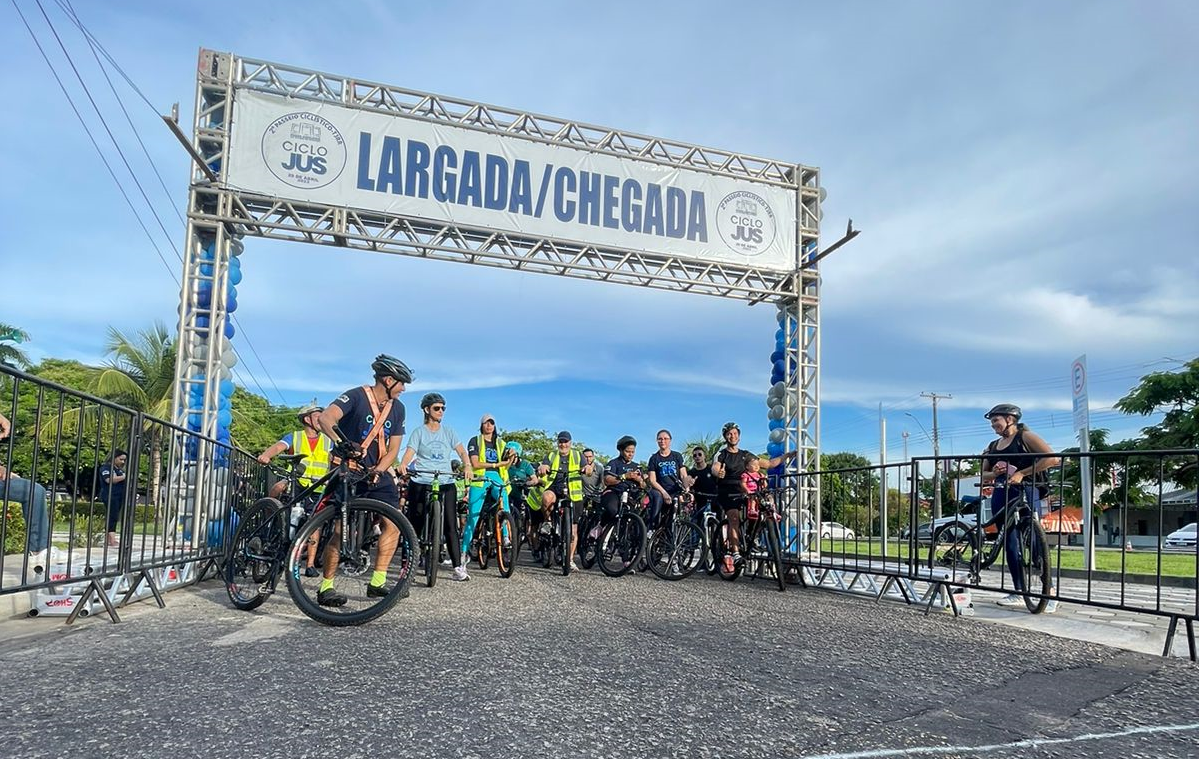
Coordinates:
263 628
1030 743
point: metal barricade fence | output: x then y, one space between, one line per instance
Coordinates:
1139 498
73 543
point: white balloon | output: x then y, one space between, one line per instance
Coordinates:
236 247
778 436
229 359
225 373
777 412
200 352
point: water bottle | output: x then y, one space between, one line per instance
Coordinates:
296 519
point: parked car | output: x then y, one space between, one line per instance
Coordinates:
1184 538
967 514
835 531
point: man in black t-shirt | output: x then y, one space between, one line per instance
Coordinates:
621 475
667 474
730 463
371 419
703 482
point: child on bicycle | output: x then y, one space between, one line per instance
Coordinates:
752 481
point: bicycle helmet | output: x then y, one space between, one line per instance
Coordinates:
724 431
515 447
430 399
388 366
304 411
1004 409
625 442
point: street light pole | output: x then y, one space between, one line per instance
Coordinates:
936 454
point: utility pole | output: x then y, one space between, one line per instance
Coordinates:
936 454
882 489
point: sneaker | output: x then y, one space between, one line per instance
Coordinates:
736 557
447 563
1011 599
377 591
1050 607
330 597
312 572
460 574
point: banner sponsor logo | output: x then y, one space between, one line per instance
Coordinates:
304 150
330 154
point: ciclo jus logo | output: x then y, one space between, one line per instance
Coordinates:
304 150
746 222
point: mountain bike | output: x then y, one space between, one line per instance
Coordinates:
623 539
590 531
961 544
431 537
349 533
678 547
708 521
495 533
761 544
555 534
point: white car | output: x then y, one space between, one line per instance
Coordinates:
1184 538
835 531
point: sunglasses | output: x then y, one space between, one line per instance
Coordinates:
437 408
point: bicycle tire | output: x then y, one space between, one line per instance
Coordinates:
587 548
356 560
774 546
721 538
254 554
564 525
621 545
954 547
1037 572
482 543
714 555
505 558
672 553
433 559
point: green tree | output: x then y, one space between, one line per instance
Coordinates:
1176 394
710 442
64 456
10 338
257 424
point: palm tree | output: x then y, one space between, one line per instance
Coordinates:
10 354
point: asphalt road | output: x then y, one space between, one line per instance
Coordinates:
585 666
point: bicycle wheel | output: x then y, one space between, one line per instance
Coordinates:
775 552
564 523
588 542
1037 573
482 543
379 538
255 553
715 554
507 544
677 550
433 557
953 548
621 545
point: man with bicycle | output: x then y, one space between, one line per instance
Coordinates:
731 462
368 425
430 450
565 469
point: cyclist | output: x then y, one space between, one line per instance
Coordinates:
316 448
730 463
566 469
622 474
489 458
667 473
593 480
368 425
430 448
703 482
1010 462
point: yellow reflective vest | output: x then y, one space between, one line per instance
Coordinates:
574 480
480 474
316 458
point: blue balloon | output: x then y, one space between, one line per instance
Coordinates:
215 530
206 251
224 418
222 435
229 331
779 337
776 356
205 270
202 320
776 376
204 295
226 389
193 446
224 403
779 368
231 303
234 276
777 424
774 449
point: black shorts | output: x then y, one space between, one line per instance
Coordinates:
536 516
729 500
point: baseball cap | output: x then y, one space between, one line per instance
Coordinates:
486 417
563 435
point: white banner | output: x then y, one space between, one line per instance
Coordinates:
325 153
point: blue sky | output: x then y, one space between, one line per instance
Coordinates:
1024 175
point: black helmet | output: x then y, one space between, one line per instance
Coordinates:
724 431
387 366
304 411
1004 409
430 399
625 442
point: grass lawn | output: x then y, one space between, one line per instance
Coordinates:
1142 562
